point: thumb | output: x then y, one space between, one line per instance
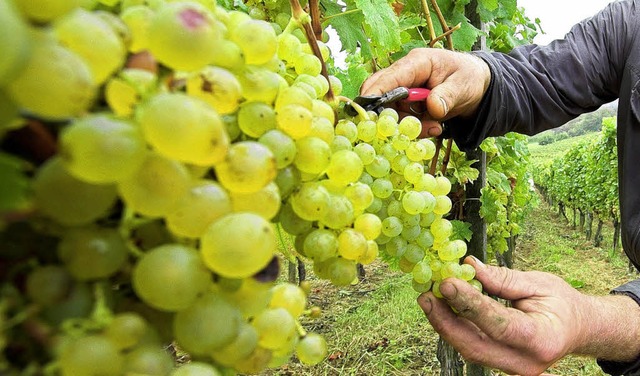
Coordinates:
440 102
503 282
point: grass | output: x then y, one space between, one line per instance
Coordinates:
376 328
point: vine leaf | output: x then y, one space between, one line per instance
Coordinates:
348 26
353 77
461 230
382 24
14 190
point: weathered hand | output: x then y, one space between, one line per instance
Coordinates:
549 319
458 82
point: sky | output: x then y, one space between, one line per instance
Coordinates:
557 16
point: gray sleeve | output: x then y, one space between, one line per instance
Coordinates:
632 290
535 88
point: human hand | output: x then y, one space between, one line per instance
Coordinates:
457 82
547 321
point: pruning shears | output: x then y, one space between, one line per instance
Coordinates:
377 102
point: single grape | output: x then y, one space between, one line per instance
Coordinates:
256 39
138 19
391 226
195 369
282 146
15 44
256 118
148 359
410 126
311 201
313 156
126 330
240 348
248 167
275 327
320 245
92 252
312 349
49 284
266 202
344 167
295 120
290 297
43 11
217 87
91 355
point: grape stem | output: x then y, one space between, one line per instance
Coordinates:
301 331
314 9
443 22
345 13
434 161
305 22
101 314
285 250
446 34
427 16
128 223
361 111
447 155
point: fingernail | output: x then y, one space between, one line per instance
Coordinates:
478 262
434 132
425 303
448 290
444 105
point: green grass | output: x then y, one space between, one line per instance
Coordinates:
541 153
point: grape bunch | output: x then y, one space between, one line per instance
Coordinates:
187 136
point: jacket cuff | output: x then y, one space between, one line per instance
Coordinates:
632 290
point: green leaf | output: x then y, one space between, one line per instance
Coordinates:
382 24
348 26
461 230
353 77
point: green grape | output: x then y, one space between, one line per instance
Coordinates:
318 244
230 57
15 43
290 297
291 222
339 213
410 126
340 271
443 205
410 219
426 183
148 360
216 86
308 88
256 362
294 120
282 146
92 253
314 155
375 206
369 225
371 254
100 150
422 272
429 146
184 128
413 202
421 287
98 44
476 284
77 303
323 84
204 202
288 47
275 327
48 285
181 35
138 19
323 109
348 129
43 11
256 118
360 195
352 244
413 172
206 325
410 233
405 265
399 163
425 239
310 201
416 152
259 84
441 228
256 39
396 246
436 289
467 272
251 298
379 168
61 79
232 127
450 269
394 208
121 96
400 142
398 181
366 153
67 200
325 52
91 355
382 188
311 349
336 85
265 202
287 180
156 188
387 126
391 226
387 150
365 178
195 369
238 245
323 129
345 167
248 167
443 186
414 253
340 143
391 113
126 330
293 95
307 64
240 348
170 277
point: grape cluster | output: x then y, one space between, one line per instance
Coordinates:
189 135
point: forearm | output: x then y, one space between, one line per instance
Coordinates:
611 329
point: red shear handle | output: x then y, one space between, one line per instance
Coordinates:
417 94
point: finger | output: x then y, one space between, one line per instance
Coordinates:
469 340
505 325
503 282
413 70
